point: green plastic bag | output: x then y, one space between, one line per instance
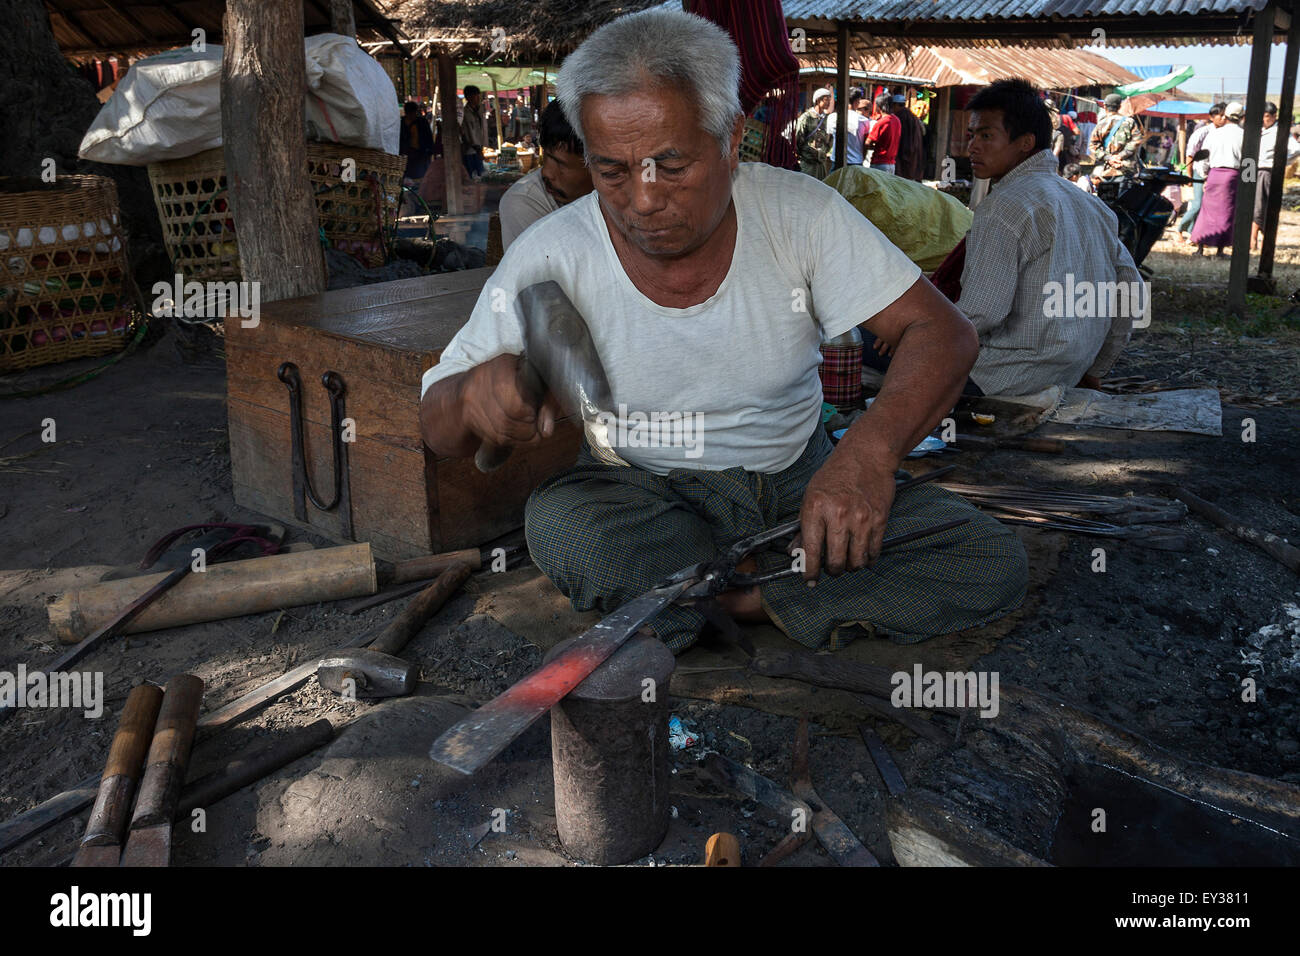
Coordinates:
925 223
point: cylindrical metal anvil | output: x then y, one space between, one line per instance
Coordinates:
609 744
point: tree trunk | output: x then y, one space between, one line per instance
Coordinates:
263 86
451 161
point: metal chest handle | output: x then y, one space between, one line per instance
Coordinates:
302 484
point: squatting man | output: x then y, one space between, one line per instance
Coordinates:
708 286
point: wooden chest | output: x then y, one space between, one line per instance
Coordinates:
378 339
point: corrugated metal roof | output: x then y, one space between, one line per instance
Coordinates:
978 66
967 10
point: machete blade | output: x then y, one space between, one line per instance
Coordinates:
469 744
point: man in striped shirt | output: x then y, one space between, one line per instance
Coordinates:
1047 284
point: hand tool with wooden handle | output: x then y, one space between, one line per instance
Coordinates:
835 836
490 457
377 671
150 841
470 743
723 849
559 355
102 844
246 768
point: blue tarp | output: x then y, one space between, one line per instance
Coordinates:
1146 72
1178 108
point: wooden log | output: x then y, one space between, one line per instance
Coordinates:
1270 543
263 86
429 566
451 162
223 590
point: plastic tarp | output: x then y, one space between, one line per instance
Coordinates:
1158 84
1195 410
1176 108
925 223
168 106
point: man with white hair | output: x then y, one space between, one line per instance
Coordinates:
812 135
708 286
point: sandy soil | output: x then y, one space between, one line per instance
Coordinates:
1159 643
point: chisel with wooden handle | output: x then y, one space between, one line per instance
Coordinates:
150 841
102 844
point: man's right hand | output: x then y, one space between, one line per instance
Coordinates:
494 405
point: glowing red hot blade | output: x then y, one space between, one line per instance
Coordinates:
473 742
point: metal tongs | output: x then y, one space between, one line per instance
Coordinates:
470 743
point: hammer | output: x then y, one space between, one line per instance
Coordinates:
376 670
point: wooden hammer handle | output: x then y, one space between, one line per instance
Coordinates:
431 565
169 754
108 819
723 849
424 605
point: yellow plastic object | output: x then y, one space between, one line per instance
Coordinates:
925 223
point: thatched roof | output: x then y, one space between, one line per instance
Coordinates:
93 29
532 31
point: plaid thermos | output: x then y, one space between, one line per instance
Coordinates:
841 370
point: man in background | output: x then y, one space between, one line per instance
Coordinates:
812 136
473 132
1267 146
1035 240
561 178
886 131
417 141
911 140
857 124
1116 140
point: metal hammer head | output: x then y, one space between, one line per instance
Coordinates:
365 673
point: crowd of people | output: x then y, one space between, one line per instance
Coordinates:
1214 150
422 139
882 133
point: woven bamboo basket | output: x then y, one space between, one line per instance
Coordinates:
357 195
63 271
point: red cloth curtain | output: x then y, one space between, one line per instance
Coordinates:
769 72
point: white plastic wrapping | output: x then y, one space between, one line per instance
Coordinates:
168 106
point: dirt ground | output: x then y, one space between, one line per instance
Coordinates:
1159 643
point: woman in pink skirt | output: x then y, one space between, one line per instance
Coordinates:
1219 202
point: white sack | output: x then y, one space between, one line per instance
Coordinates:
168 106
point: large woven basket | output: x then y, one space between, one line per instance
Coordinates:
63 271
357 195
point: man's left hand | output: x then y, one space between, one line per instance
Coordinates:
845 509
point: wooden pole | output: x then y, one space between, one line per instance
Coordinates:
1256 90
1284 110
451 161
496 108
941 117
842 94
263 86
342 18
